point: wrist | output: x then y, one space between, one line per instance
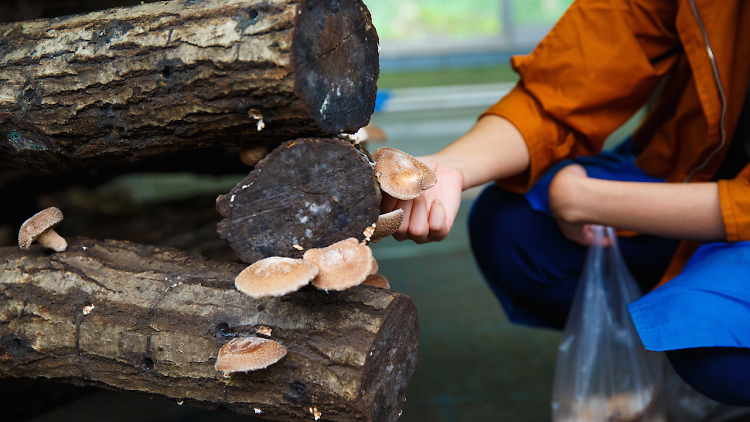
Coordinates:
443 159
569 195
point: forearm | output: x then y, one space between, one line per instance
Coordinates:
675 210
493 149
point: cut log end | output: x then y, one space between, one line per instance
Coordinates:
307 193
183 75
337 98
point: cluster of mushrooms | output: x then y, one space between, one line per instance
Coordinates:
342 265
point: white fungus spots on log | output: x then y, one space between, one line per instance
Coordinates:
87 309
84 248
179 403
257 411
298 247
325 104
316 414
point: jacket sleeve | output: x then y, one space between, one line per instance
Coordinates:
734 196
590 74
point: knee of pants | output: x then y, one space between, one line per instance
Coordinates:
523 251
719 373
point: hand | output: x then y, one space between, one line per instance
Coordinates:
429 217
566 203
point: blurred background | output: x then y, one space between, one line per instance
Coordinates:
443 62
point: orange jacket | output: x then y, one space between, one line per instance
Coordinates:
603 60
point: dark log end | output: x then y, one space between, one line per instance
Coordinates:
309 192
391 363
340 98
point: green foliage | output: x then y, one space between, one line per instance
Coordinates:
422 19
418 20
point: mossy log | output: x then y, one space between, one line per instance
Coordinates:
127 83
307 193
145 319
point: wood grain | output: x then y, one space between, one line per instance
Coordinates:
145 319
307 193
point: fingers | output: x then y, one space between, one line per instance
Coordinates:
388 203
419 228
401 233
438 222
423 222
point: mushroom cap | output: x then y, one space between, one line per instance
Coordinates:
374 133
275 276
377 280
342 265
37 224
252 155
248 354
401 175
387 224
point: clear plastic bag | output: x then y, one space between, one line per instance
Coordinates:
603 372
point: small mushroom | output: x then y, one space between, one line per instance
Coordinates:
248 354
342 265
252 155
275 276
377 280
387 224
401 175
39 228
374 133
374 267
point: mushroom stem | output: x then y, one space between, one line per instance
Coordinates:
50 239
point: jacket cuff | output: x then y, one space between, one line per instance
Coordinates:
734 196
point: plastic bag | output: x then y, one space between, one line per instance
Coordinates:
604 374
684 404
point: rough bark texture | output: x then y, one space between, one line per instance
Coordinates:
140 318
24 10
126 83
307 193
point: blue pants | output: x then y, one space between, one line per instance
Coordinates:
533 270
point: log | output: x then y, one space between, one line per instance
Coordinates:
307 193
24 10
139 318
123 84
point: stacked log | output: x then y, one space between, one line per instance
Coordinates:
123 84
167 86
132 317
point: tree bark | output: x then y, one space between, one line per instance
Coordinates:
307 193
123 84
24 10
139 318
